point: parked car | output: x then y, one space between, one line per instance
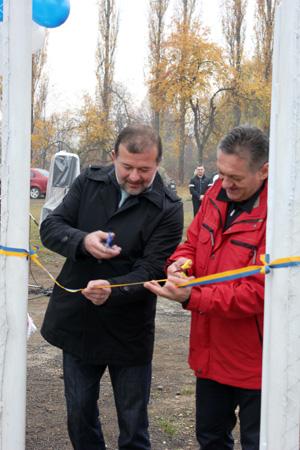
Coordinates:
38 182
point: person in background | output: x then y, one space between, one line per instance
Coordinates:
226 338
102 327
198 186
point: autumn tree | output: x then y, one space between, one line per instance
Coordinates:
174 59
92 132
105 58
42 139
158 9
191 83
257 71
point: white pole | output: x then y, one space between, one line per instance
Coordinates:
14 219
281 359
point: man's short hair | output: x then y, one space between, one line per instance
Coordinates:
248 140
138 138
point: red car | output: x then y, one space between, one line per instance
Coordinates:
38 182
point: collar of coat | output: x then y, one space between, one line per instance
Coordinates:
246 205
255 218
156 193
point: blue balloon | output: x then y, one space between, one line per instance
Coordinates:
50 13
1 10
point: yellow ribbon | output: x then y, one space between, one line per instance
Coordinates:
209 279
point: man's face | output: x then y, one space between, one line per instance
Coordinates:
238 179
135 171
200 171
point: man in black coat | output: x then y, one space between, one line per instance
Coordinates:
198 186
102 326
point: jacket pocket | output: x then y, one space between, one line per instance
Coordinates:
250 249
204 237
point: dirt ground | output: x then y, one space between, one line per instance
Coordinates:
172 398
171 406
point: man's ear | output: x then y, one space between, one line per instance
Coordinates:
264 171
113 155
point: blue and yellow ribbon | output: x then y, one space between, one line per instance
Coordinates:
221 277
248 271
11 251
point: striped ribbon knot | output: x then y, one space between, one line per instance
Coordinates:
19 252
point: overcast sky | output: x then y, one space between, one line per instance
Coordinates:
71 50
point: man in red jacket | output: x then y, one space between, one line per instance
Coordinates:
227 318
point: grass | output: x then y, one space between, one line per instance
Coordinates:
166 426
45 255
184 194
188 391
35 209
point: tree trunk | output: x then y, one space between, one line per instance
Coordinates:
181 142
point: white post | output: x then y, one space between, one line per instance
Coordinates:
16 115
281 360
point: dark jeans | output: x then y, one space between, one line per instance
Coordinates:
131 387
215 415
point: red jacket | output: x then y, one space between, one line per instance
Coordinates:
227 318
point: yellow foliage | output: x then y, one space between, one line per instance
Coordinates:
190 66
95 130
43 135
257 91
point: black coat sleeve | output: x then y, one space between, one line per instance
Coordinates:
194 189
58 231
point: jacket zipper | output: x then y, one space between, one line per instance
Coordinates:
211 232
253 248
219 212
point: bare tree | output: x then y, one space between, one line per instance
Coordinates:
204 118
264 29
40 125
39 85
105 58
158 9
105 53
233 23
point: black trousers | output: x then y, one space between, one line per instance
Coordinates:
196 205
215 415
131 388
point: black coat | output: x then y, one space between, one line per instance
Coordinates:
148 227
198 186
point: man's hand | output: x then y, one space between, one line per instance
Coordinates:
96 293
170 289
94 243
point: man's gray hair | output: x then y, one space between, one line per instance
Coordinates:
245 141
